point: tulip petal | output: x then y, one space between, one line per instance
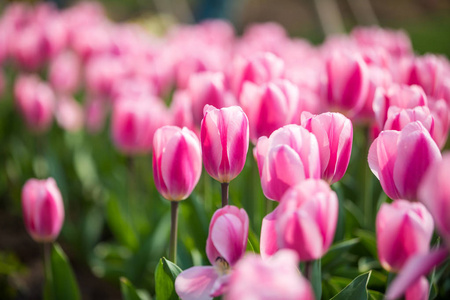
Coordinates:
227 236
196 283
268 241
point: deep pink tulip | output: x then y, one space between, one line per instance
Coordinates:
225 138
419 290
403 229
43 209
226 244
402 96
434 192
177 162
270 106
334 133
69 114
35 101
64 72
134 122
277 278
292 155
306 219
347 82
399 159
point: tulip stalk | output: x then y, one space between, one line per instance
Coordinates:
225 193
173 231
47 264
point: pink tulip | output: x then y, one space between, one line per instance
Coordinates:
95 114
292 155
440 110
402 96
134 123
224 137
399 159
64 72
428 72
347 82
434 192
177 162
226 244
270 106
181 110
43 209
306 219
419 290
101 74
334 133
404 229
69 114
277 278
26 48
35 101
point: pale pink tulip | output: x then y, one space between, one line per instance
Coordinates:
399 159
292 155
334 133
64 73
177 162
43 209
404 229
428 71
277 278
69 114
95 114
226 244
224 138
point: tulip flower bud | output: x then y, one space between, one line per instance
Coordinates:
64 72
306 219
69 114
224 137
292 155
419 290
428 71
43 209
177 162
434 192
334 133
403 230
399 159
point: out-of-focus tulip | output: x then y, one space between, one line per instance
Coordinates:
306 219
134 122
64 73
35 101
181 110
277 278
404 229
225 138
226 244
43 209
258 69
399 159
95 114
101 74
334 133
419 290
402 96
428 71
440 110
270 106
347 82
69 114
292 155
434 192
177 162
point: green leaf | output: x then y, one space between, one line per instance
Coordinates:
128 290
316 278
249 246
374 295
336 251
62 284
369 241
165 275
356 290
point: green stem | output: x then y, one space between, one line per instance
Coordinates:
173 231
225 193
308 270
47 264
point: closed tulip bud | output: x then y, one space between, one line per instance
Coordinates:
306 219
43 209
69 114
277 278
177 162
292 156
64 72
225 138
35 101
404 229
334 133
428 71
399 159
434 192
95 114
419 290
270 106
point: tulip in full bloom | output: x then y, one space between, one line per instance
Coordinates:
43 209
289 156
277 278
404 229
334 133
399 159
177 162
226 244
224 137
434 192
